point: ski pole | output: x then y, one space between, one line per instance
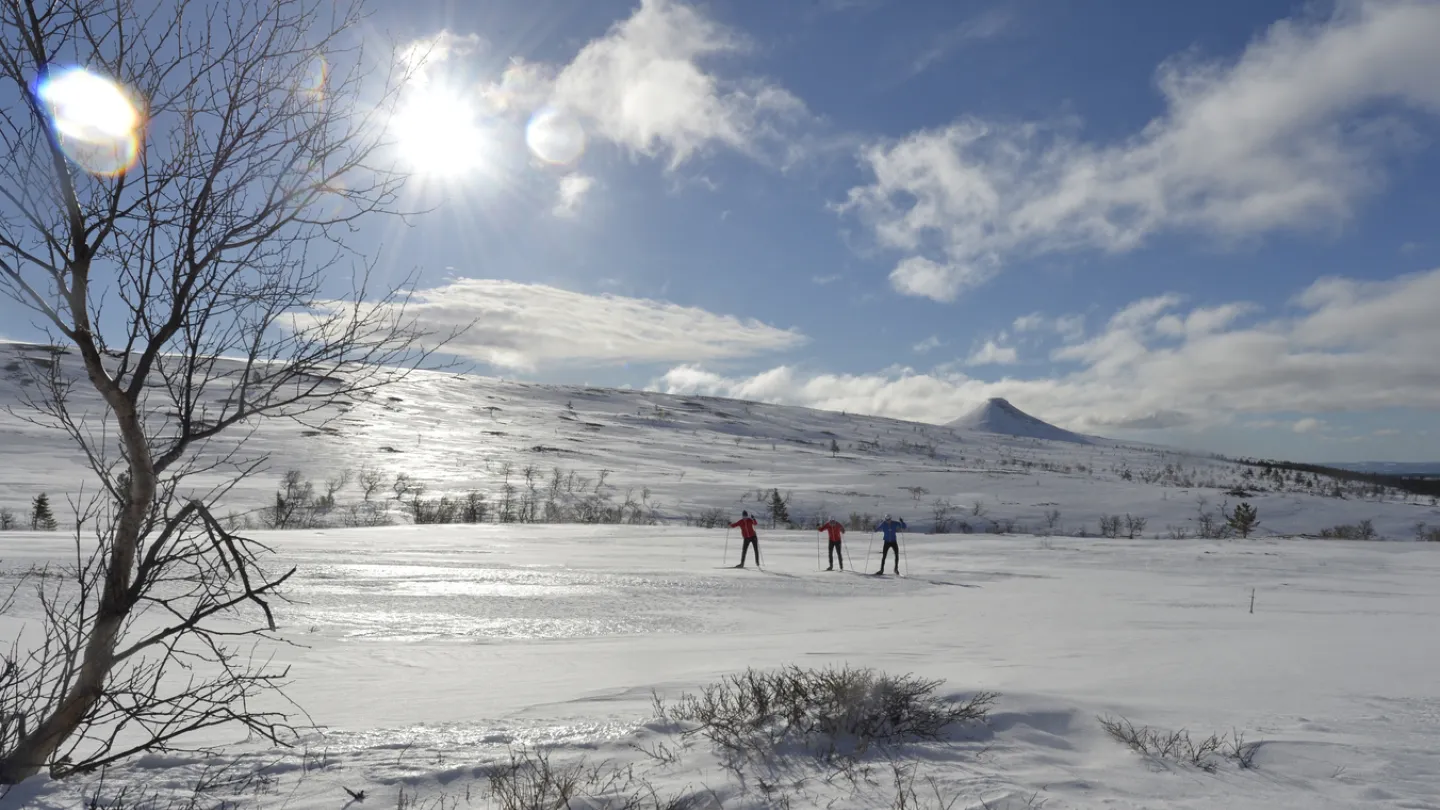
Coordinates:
817 549
868 549
726 559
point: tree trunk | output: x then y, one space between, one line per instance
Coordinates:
39 746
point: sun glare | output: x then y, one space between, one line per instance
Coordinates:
95 122
438 133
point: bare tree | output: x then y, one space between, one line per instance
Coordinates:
188 262
940 512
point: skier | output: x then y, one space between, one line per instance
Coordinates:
746 524
835 528
890 527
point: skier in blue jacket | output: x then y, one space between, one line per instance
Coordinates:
890 528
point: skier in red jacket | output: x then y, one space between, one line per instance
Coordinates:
746 524
835 529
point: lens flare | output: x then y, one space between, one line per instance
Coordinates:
555 137
95 122
312 82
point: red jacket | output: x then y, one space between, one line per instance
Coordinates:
835 529
746 526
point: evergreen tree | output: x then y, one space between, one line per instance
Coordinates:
779 510
1243 519
834 448
41 518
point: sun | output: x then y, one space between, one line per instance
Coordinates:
439 134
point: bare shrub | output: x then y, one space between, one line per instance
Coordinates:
474 509
1364 530
712 518
861 522
1110 525
443 509
365 513
1178 746
529 780
1428 534
940 512
295 505
371 481
1052 520
825 712
7 520
1134 525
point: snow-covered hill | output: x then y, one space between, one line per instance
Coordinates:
675 457
999 416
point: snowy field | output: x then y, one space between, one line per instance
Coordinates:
429 653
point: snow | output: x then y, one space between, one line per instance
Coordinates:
425 653
997 415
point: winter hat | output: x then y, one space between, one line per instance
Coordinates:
743 513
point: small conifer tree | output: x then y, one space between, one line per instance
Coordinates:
779 509
41 518
1243 519
834 448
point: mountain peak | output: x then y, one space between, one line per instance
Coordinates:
998 415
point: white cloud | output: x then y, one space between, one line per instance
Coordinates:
570 193
643 86
1071 328
992 353
917 275
928 344
1352 346
528 326
824 280
421 55
1292 134
986 25
1307 425
1029 323
1203 321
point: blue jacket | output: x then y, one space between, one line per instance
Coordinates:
890 527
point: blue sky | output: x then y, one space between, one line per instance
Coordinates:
1210 225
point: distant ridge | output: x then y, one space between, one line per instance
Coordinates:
999 416
1428 469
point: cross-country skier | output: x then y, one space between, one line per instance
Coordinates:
834 528
746 524
890 527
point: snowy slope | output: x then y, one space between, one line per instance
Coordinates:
454 433
427 652
997 415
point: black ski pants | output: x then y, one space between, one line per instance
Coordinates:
745 549
885 552
836 551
